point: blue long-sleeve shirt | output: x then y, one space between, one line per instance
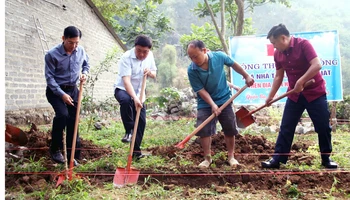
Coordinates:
64 69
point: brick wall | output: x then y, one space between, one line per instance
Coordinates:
24 59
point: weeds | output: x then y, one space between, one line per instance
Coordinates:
30 166
166 134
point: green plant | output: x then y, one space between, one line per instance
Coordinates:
293 191
167 66
31 166
88 101
333 188
343 108
206 33
143 18
167 96
275 115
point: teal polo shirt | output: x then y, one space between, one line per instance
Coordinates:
212 80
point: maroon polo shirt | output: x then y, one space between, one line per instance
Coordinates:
296 61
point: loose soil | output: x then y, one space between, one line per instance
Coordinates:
248 176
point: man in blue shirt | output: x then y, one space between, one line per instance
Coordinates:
132 67
207 77
65 64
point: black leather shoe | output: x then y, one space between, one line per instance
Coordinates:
57 157
127 138
75 163
138 156
329 164
270 164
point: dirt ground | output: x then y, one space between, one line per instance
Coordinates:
249 176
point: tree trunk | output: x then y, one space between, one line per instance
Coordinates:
222 39
223 27
240 17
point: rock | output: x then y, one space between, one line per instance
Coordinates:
169 187
40 184
220 189
98 126
299 129
28 189
174 110
26 179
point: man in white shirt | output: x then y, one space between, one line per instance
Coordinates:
132 67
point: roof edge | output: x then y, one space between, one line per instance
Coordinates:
109 27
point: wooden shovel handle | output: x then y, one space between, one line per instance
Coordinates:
76 126
308 83
143 87
212 116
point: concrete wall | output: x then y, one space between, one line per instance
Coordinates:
24 58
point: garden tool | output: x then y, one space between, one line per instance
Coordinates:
15 135
245 118
181 145
129 175
61 177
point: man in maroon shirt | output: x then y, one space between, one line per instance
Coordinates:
297 58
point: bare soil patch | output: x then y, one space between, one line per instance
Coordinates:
249 176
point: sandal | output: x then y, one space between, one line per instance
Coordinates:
205 163
233 162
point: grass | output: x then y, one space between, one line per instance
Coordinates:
164 133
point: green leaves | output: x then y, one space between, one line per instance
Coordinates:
206 33
167 66
146 19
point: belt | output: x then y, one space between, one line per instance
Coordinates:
67 87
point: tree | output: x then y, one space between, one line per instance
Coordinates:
143 19
234 10
131 18
111 8
167 66
206 33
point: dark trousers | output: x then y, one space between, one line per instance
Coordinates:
64 117
319 114
128 115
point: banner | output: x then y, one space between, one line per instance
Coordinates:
255 55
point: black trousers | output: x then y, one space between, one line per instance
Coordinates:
319 114
64 119
128 115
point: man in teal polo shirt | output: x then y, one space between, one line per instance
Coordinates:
207 78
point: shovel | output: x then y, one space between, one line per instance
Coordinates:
62 177
15 135
181 145
128 175
244 118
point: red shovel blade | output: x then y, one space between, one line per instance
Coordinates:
15 135
66 176
123 176
61 178
243 118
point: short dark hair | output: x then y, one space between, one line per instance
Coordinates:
197 44
143 41
278 30
72 32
